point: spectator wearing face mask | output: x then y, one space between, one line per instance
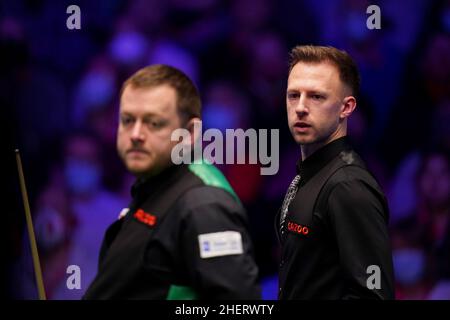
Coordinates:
441 288
95 91
424 263
94 207
72 212
54 224
411 263
434 197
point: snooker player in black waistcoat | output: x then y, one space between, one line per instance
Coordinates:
332 225
184 235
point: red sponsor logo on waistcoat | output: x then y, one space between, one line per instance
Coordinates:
297 228
145 217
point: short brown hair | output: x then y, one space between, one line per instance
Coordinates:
348 71
188 98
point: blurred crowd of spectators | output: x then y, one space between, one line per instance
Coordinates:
59 93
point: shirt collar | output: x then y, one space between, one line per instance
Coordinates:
143 187
311 165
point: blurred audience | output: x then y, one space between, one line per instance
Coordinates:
58 82
421 238
71 214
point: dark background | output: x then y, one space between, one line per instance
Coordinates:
59 98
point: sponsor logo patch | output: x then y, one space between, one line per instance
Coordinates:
298 228
218 244
145 217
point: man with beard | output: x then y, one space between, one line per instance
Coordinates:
184 235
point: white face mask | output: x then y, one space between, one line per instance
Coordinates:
409 265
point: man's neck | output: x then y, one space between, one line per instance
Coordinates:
153 173
308 149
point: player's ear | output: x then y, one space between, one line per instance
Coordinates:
194 126
348 105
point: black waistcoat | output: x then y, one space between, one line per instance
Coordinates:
308 247
121 272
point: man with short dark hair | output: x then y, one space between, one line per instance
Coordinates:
184 235
333 221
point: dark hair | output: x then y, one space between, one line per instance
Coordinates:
188 98
348 71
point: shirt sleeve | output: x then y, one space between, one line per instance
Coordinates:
217 248
359 218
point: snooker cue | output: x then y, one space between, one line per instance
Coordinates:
31 236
